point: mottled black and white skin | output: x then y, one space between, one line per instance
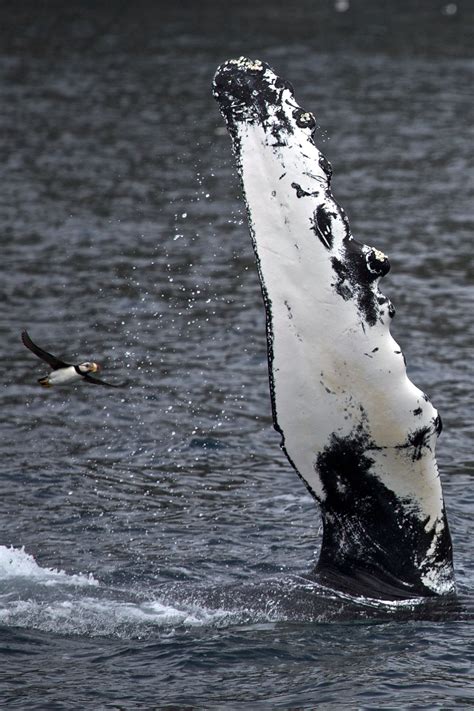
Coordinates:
359 433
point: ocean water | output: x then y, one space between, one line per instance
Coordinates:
154 541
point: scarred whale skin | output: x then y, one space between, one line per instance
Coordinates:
359 433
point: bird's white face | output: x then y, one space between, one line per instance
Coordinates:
89 367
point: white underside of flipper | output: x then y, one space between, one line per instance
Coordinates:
356 429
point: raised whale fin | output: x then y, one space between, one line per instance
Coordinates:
355 428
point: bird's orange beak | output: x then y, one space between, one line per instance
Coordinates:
95 367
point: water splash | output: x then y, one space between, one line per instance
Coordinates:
54 601
17 563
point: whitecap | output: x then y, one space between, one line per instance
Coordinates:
17 563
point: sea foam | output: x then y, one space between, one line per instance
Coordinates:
17 563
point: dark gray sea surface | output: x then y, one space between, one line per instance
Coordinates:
154 541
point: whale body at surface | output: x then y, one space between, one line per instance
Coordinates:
359 433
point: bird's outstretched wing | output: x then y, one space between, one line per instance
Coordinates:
54 362
98 381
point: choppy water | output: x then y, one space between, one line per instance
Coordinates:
154 540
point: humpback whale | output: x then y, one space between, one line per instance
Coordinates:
357 431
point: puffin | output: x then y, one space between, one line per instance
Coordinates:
64 373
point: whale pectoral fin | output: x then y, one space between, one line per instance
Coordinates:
355 428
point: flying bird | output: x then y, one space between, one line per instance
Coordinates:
64 373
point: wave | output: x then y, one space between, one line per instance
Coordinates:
52 600
16 563
55 601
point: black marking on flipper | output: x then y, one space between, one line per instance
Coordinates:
419 440
245 92
342 286
304 119
303 193
356 272
328 390
364 521
321 226
376 265
383 300
52 361
326 166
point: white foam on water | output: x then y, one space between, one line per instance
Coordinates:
47 599
17 563
52 600
106 617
